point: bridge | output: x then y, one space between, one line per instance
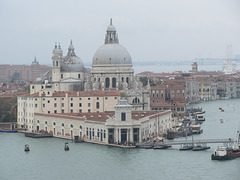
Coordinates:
209 141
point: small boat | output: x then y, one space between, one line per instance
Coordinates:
186 147
221 120
66 147
26 148
200 117
200 148
161 147
147 145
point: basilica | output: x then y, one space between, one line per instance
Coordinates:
109 105
112 69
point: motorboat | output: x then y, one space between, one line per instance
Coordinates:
66 147
26 148
200 147
226 153
186 147
161 146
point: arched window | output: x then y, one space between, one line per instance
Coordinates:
107 82
136 100
54 123
114 82
97 105
127 79
122 79
71 126
62 124
45 122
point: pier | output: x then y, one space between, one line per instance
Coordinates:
206 141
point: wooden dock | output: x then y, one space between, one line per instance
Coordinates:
38 135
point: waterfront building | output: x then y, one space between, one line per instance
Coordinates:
169 95
123 125
62 103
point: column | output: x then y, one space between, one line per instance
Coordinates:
131 134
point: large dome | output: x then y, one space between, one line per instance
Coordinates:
109 54
72 64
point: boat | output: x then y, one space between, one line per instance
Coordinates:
26 148
200 148
147 145
66 147
186 147
196 128
221 120
161 146
225 153
222 153
200 117
8 131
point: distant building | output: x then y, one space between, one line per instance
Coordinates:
23 72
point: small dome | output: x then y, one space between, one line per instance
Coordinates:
109 54
72 64
111 28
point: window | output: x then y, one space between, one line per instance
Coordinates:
55 99
79 76
106 98
80 104
89 104
54 123
80 127
45 122
115 97
62 98
55 111
88 98
61 76
71 104
35 105
32 87
104 134
97 98
62 110
114 82
71 99
48 112
71 111
71 126
63 124
89 110
80 98
43 105
62 104
123 116
97 105
80 111
55 104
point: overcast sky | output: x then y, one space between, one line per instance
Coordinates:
151 30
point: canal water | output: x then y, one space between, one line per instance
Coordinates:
48 160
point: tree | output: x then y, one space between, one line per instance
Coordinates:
144 80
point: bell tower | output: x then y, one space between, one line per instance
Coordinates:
56 62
